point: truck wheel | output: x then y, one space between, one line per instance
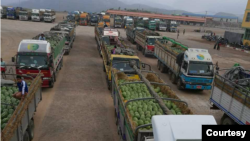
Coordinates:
26 136
159 64
179 84
225 120
162 68
30 129
108 83
104 68
173 79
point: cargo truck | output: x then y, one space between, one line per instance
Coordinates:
161 26
84 19
232 98
69 31
106 19
143 105
171 26
118 21
13 12
128 22
17 117
37 15
93 20
130 32
190 68
145 41
49 15
46 54
150 24
3 12
25 15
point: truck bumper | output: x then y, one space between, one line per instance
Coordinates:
46 83
36 20
162 29
93 23
149 52
118 25
197 87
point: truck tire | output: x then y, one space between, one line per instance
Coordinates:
30 129
179 84
226 120
159 64
173 78
162 68
104 70
26 136
138 47
52 82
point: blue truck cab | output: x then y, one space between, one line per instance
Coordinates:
189 68
13 12
196 70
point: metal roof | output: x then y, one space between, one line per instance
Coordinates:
156 16
213 16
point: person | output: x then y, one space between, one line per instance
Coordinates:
113 50
42 37
183 31
211 33
214 33
105 25
178 33
3 68
22 89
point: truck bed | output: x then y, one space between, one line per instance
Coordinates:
18 123
226 95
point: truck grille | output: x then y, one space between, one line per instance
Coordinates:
199 81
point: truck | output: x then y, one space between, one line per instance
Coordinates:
3 11
130 32
150 24
106 19
68 29
128 22
231 95
93 20
25 15
17 117
144 104
118 21
13 12
145 41
46 54
161 26
171 26
37 15
49 15
190 68
84 19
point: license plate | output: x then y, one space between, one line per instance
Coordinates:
198 87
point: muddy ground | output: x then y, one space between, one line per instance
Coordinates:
80 107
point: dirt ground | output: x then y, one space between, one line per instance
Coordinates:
80 107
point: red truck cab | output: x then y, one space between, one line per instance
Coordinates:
35 55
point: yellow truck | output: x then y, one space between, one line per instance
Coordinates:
106 19
118 60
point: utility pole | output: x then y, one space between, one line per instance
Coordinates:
205 21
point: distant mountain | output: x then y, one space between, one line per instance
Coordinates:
90 5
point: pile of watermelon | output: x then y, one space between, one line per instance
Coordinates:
142 111
8 104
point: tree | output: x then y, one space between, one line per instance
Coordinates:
119 8
125 9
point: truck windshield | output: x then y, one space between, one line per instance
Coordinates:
35 14
47 15
163 25
32 60
118 20
106 20
153 23
122 64
200 68
151 41
174 25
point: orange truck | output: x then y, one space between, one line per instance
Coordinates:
84 19
106 18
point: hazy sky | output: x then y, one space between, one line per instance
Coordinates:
199 6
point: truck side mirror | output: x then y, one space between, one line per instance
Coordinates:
143 65
13 59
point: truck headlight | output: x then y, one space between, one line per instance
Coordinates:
46 78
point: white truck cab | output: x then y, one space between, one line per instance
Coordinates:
179 127
35 15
